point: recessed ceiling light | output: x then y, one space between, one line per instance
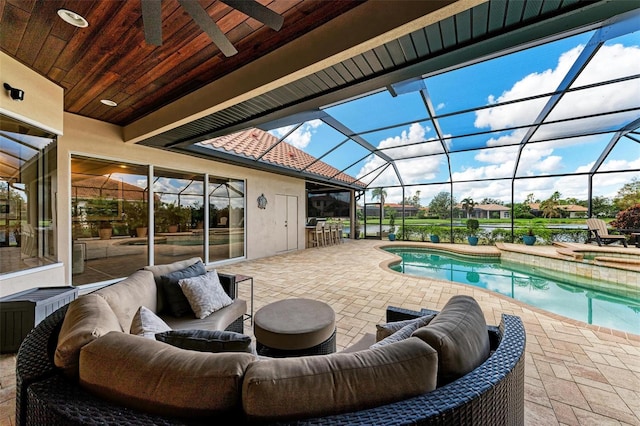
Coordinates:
108 102
72 18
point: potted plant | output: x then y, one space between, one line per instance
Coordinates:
472 229
137 218
433 234
529 239
392 226
105 229
174 217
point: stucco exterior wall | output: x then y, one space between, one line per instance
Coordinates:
43 100
96 139
42 107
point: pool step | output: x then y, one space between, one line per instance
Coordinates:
607 259
570 253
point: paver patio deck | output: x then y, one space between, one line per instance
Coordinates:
576 374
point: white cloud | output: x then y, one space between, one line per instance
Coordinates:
301 137
550 164
537 158
413 170
532 84
591 101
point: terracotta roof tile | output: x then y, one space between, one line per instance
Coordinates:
84 187
258 144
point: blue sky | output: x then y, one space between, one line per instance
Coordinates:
401 126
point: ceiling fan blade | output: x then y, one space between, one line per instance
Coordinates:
152 21
202 18
257 11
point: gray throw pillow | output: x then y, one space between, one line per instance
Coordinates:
205 294
387 329
174 298
409 326
207 340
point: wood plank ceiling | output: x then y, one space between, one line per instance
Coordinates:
110 59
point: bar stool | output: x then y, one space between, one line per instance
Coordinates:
318 235
327 232
334 234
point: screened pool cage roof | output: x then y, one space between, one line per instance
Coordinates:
562 106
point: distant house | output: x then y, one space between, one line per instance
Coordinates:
489 211
571 210
574 210
409 210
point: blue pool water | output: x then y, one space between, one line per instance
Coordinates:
572 297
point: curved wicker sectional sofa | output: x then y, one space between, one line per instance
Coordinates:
492 394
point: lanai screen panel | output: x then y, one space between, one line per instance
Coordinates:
379 110
314 137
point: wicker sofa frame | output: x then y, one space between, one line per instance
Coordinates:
492 394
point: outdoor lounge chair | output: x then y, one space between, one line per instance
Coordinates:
598 232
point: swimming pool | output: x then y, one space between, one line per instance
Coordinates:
572 297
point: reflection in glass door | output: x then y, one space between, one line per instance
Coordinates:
108 219
226 218
178 216
372 220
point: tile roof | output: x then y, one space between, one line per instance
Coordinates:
83 187
565 207
263 146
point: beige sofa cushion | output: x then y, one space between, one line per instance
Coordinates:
158 378
219 320
290 388
459 334
87 318
126 296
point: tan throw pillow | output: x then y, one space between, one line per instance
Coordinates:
294 388
459 334
387 329
161 379
146 324
205 294
405 332
87 318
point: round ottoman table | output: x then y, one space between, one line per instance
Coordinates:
295 327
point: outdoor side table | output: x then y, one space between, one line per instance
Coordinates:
22 311
245 278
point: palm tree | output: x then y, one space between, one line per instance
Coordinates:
467 205
382 195
549 206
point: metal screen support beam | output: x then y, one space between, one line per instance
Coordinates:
614 27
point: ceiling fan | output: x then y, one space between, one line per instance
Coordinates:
152 20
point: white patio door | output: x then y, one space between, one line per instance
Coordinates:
286 222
